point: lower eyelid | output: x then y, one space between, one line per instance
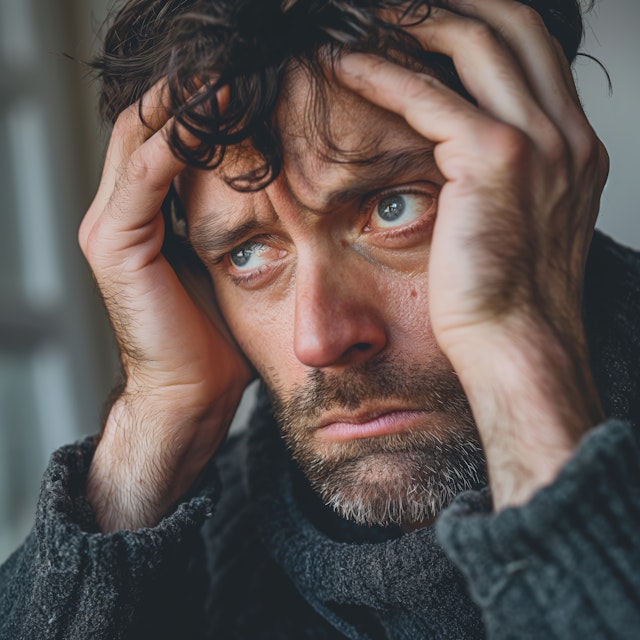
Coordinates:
422 218
416 227
245 278
407 192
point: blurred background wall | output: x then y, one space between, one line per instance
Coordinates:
612 37
55 351
56 357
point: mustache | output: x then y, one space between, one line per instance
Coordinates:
381 379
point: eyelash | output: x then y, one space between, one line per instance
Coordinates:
246 279
410 228
406 232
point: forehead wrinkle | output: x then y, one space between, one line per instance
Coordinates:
359 176
207 237
223 226
315 184
336 155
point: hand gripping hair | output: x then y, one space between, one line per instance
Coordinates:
248 45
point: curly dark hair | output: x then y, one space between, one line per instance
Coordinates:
248 45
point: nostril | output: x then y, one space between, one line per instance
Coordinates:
362 346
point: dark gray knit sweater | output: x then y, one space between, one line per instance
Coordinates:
254 555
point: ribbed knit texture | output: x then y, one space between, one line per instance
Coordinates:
70 581
567 564
399 588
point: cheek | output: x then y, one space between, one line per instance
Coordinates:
408 306
411 338
262 328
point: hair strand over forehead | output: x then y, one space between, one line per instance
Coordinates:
199 46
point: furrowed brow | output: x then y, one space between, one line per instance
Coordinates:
210 238
384 170
217 235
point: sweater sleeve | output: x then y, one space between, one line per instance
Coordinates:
567 564
70 581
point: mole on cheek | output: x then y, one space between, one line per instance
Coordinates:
414 293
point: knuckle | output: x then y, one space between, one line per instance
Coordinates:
145 166
509 146
143 169
587 147
554 145
479 33
91 246
136 169
126 121
527 16
416 86
590 155
556 156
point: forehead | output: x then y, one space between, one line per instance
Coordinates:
327 131
332 142
321 114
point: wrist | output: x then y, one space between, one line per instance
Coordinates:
152 451
533 398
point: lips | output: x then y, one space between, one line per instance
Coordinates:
371 424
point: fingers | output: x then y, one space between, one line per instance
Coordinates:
504 73
545 68
484 63
128 157
511 65
132 199
140 166
431 108
549 76
135 124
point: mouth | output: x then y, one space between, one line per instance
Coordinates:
384 422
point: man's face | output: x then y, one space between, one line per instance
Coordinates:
323 280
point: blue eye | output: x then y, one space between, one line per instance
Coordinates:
254 258
392 208
400 209
248 256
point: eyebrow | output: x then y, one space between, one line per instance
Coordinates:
378 172
207 237
372 173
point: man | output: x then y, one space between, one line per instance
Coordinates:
399 254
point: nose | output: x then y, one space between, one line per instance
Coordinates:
338 317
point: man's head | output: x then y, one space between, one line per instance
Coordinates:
315 226
250 45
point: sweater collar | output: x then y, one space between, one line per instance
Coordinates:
341 568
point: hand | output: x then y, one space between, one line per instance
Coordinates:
184 376
524 174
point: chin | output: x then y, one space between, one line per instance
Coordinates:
406 488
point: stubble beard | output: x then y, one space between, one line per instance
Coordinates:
404 478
